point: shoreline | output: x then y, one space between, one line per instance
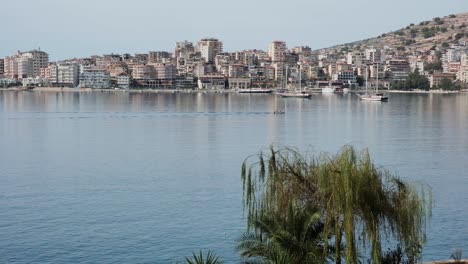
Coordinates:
136 90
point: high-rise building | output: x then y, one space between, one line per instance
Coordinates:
209 48
183 49
26 64
276 51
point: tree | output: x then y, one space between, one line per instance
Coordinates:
352 194
295 239
447 84
210 258
433 66
360 80
459 36
417 81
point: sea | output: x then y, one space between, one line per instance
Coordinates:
123 177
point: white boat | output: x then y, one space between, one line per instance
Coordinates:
374 97
377 97
298 93
346 90
327 90
255 90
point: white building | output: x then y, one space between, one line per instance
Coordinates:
276 51
96 79
347 77
209 48
64 74
123 81
26 64
239 83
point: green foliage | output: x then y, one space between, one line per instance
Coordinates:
383 35
357 201
294 239
428 32
459 36
448 85
413 81
443 29
360 80
445 45
412 24
434 66
452 26
210 258
438 21
452 16
399 33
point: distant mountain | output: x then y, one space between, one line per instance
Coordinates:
424 36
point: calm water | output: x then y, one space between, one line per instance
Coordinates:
149 178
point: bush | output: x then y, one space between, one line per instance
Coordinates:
452 16
445 45
459 36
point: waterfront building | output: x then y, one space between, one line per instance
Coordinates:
397 69
211 82
94 78
67 75
276 51
2 67
209 48
239 83
25 64
436 78
346 77
123 81
35 81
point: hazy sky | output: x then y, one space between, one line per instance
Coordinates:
79 28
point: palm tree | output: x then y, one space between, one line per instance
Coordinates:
210 258
358 202
273 239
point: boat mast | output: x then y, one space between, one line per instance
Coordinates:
300 78
366 77
377 86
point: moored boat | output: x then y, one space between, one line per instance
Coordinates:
255 90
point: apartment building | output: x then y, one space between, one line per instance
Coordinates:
209 48
25 64
276 51
397 69
94 78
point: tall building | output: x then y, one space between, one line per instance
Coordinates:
65 74
276 51
1 67
209 48
26 64
183 49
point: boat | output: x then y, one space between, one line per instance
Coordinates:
377 97
297 93
328 90
255 90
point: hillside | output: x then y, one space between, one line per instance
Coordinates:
438 32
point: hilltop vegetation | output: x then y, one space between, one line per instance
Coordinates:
422 37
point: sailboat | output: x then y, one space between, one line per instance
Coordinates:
376 96
297 93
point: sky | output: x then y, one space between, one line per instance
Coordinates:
81 28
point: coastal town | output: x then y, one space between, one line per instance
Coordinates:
206 65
